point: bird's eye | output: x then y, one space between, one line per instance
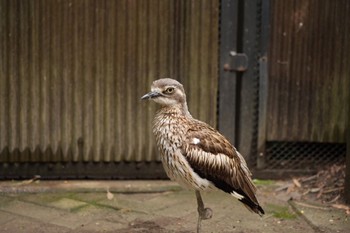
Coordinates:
169 90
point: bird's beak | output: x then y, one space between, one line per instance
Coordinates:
150 95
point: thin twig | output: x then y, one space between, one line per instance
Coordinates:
311 206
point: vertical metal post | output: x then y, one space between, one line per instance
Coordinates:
227 78
263 83
248 112
244 29
347 171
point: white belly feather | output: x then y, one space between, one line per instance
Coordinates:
179 170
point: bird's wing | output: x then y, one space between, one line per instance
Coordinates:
213 157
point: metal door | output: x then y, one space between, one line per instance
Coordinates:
282 86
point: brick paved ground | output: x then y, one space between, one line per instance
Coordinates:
149 206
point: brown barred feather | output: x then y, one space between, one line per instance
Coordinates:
214 155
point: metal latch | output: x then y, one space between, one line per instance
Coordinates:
238 62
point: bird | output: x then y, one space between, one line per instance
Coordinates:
196 155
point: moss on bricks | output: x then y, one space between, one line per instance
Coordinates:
281 212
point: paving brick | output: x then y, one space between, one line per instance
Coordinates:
132 202
81 217
100 226
31 210
5 200
6 217
43 199
120 203
26 225
126 216
334 221
67 204
89 197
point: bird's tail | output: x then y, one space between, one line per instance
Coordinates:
252 206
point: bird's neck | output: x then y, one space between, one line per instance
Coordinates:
181 109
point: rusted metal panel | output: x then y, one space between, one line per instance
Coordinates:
72 73
309 70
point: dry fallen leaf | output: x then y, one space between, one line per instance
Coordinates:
315 190
326 186
296 182
35 178
110 195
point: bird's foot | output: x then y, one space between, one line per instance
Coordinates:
206 213
203 214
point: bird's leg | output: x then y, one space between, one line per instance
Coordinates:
203 213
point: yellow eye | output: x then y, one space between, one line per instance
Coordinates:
169 90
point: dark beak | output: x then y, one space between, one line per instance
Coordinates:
150 95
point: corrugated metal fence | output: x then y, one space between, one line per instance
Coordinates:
308 85
72 73
309 71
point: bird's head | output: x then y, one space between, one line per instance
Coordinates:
166 92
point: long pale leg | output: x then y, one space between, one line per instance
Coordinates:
203 213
